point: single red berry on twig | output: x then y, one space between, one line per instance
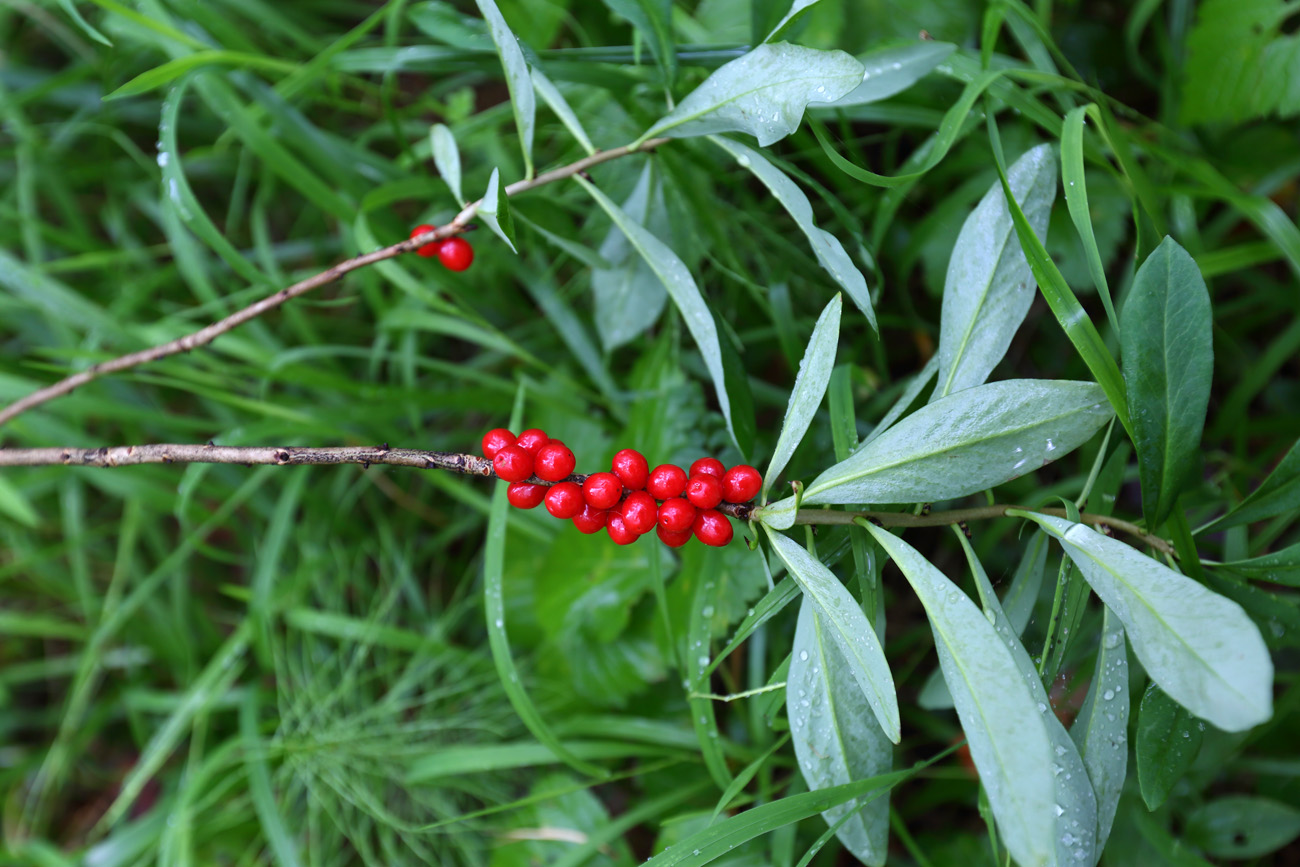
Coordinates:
712 528
671 539
426 250
602 490
619 531
532 440
676 515
456 254
554 462
495 440
513 464
525 496
565 500
589 520
741 483
708 466
666 481
631 468
639 512
704 491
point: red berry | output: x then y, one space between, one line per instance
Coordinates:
708 466
640 512
426 250
712 528
741 483
619 531
495 440
631 468
532 440
513 464
554 462
456 254
525 496
676 516
589 520
704 491
565 501
666 481
602 490
671 539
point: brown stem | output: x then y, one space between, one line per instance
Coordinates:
206 335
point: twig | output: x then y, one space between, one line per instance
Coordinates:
206 335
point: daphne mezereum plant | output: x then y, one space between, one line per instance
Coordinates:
840 495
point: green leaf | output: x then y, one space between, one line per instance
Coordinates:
988 289
70 7
1004 725
518 81
836 738
1101 728
1279 493
888 71
15 505
842 617
174 69
446 157
1242 826
1199 647
1076 200
809 388
1280 567
1168 739
967 442
1168 354
675 276
551 95
829 251
763 93
628 295
1239 64
445 762
495 211
797 9
653 20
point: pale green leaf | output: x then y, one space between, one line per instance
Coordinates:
1101 728
628 295
446 157
495 211
518 81
888 71
797 9
551 95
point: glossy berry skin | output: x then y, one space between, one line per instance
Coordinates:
619 531
666 481
631 468
513 464
671 539
554 462
525 496
741 483
428 251
532 440
708 466
602 490
640 512
495 440
565 500
676 516
704 491
456 254
590 520
712 528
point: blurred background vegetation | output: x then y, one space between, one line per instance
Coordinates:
220 665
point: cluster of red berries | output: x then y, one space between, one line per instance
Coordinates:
455 252
628 502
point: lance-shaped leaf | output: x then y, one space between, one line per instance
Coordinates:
797 9
495 211
989 287
829 251
518 82
1280 567
653 20
446 157
1004 726
967 442
676 277
1168 741
888 71
627 293
1101 728
1168 359
836 738
809 388
551 95
1279 493
1201 648
763 93
842 617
